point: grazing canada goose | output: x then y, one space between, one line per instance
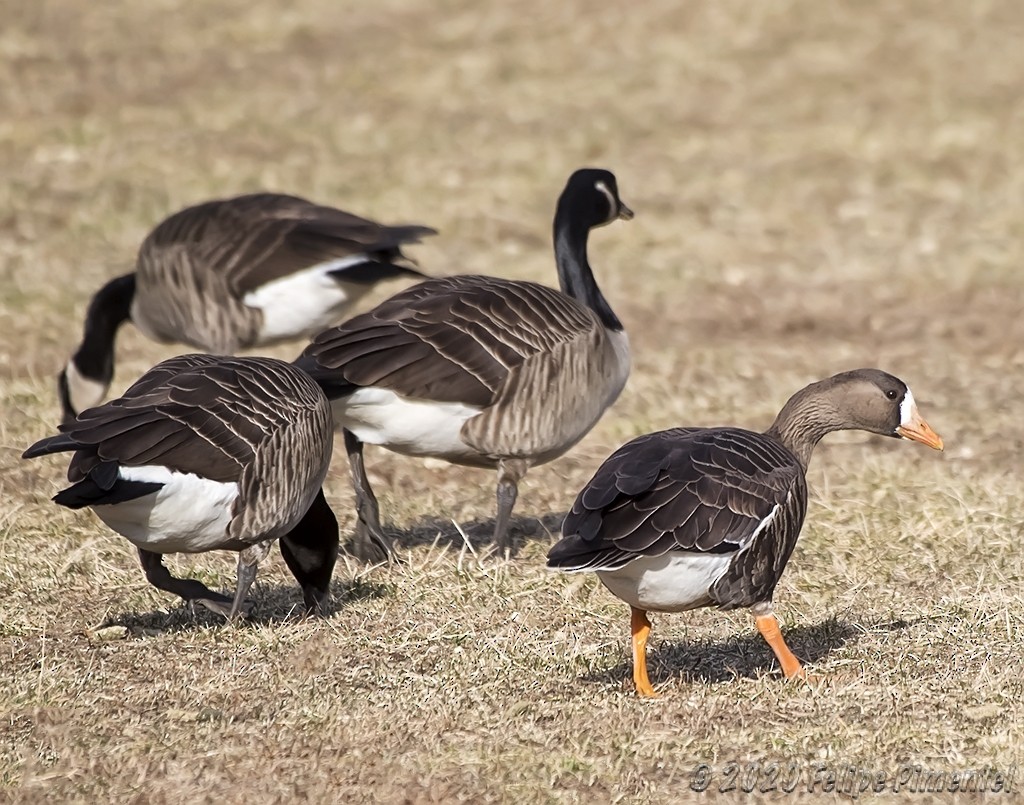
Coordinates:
228 275
207 453
481 371
695 517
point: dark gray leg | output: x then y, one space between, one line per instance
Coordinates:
369 542
191 590
310 551
248 563
510 472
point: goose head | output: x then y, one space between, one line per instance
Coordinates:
878 402
868 399
593 196
864 399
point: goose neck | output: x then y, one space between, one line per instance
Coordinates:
575 276
108 310
804 420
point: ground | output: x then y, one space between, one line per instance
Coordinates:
817 187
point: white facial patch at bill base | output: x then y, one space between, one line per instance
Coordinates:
83 392
908 409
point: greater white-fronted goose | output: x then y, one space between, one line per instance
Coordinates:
481 371
695 517
205 453
232 274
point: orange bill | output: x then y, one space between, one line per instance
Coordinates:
916 429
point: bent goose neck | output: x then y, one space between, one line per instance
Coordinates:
804 420
575 276
108 310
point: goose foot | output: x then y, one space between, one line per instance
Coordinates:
192 591
768 626
371 547
369 542
510 472
640 627
221 605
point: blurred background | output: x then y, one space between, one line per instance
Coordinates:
842 178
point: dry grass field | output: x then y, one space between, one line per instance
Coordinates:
818 186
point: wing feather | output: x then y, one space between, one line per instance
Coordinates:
688 489
255 239
465 333
199 414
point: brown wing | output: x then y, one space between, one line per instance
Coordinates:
453 339
701 490
201 414
255 239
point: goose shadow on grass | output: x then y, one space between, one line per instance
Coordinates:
277 603
446 533
743 656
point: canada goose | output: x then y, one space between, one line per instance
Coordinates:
695 517
228 275
205 453
478 370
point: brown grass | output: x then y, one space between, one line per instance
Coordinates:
818 186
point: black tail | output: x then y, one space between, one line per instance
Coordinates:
373 271
410 233
330 381
573 553
61 443
102 486
89 492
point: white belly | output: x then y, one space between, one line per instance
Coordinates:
188 515
412 427
306 302
673 582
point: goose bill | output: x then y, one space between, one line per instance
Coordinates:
916 429
625 213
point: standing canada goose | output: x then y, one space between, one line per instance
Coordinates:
228 275
207 453
695 517
481 371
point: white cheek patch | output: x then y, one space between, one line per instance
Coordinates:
908 408
84 392
613 205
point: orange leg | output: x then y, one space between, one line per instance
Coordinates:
641 628
768 626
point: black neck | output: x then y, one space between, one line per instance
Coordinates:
574 273
108 310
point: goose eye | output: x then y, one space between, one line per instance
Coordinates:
892 394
